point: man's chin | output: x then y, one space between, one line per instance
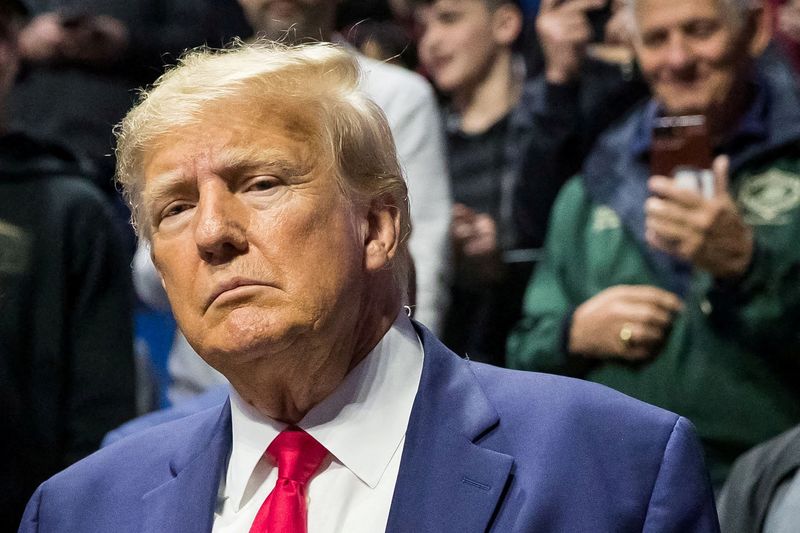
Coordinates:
233 355
683 102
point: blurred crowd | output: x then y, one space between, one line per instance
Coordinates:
606 189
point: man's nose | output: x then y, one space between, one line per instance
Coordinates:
678 53
221 225
428 41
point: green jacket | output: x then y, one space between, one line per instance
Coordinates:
731 362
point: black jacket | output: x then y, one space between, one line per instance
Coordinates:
66 356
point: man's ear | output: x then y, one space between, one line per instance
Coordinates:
758 30
155 265
506 24
382 233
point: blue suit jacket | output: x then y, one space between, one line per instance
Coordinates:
486 449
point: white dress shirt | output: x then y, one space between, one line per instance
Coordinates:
362 424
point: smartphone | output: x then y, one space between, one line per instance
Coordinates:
681 149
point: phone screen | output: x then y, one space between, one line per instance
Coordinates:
681 149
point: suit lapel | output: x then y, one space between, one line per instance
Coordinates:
185 503
447 481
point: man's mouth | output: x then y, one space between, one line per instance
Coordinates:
230 286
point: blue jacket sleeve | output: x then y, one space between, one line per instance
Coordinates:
682 500
30 520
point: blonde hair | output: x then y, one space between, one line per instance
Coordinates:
320 78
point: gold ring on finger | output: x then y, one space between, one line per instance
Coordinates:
626 334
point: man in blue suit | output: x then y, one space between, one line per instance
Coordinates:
269 189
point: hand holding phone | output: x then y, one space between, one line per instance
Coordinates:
709 233
681 149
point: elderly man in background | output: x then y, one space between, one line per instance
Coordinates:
268 186
687 299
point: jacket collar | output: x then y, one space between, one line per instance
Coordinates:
448 481
185 503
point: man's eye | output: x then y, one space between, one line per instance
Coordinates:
654 39
174 209
449 17
260 184
702 29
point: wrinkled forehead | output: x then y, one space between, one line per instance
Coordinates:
298 117
227 137
247 120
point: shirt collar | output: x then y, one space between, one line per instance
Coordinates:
374 400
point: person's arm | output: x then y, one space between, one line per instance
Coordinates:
538 340
764 304
563 31
100 353
136 42
682 499
30 520
550 159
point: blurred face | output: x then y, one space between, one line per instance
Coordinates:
306 18
691 55
456 47
256 245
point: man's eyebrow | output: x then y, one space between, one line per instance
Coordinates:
164 185
234 161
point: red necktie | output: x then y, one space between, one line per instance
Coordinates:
298 457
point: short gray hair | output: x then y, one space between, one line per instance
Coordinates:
736 10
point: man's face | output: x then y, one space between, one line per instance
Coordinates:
456 46
305 18
690 53
256 245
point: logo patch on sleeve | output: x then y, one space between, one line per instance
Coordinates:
604 218
768 198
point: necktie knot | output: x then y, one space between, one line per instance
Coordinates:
297 454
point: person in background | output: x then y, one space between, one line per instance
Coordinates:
762 493
512 141
587 80
268 185
372 28
466 47
685 298
787 29
82 60
66 342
